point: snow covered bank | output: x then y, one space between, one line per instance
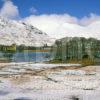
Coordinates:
18 82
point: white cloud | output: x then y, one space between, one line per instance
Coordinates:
33 10
9 10
58 26
51 24
89 20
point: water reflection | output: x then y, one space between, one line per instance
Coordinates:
8 55
25 56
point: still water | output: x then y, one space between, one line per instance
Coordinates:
26 56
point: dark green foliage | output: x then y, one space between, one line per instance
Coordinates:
76 49
4 48
14 48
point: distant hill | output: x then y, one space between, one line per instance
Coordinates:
20 33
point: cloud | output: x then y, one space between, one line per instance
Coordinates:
51 24
59 26
89 20
33 10
9 10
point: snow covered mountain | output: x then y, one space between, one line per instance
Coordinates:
17 32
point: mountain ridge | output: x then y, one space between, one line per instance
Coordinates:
21 33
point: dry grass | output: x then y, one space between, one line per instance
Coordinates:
83 62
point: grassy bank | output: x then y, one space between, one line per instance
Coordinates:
83 62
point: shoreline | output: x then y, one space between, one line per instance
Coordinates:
50 81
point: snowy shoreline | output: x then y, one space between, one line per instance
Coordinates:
39 81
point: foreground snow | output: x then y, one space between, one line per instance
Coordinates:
25 81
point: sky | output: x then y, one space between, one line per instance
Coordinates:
77 8
69 16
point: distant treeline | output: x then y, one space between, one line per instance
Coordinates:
21 48
5 48
76 49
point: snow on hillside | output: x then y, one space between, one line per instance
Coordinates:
18 32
